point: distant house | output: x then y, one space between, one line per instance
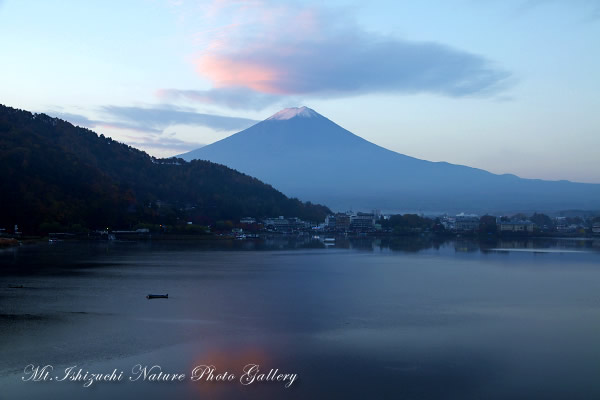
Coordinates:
466 222
516 226
562 225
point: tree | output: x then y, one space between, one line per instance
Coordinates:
542 221
487 225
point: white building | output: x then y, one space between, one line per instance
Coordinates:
466 222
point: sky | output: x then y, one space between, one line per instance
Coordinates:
509 86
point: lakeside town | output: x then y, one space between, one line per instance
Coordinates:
376 222
347 223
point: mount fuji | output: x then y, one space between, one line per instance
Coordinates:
305 155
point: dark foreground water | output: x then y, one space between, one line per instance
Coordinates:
366 319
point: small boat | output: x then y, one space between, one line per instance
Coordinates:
15 286
158 296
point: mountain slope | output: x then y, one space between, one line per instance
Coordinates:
306 155
55 173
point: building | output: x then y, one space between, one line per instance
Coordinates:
282 224
339 222
363 222
448 222
330 221
596 228
247 220
466 222
516 226
277 224
343 222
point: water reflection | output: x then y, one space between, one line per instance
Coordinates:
361 317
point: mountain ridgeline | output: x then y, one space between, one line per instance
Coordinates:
58 176
306 155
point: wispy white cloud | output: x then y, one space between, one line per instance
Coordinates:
164 143
149 125
231 97
154 119
158 118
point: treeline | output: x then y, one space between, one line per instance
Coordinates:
410 223
56 176
488 224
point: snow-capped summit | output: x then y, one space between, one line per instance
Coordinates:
289 113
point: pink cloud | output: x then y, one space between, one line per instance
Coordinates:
258 27
226 72
264 51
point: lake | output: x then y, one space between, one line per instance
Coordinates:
401 318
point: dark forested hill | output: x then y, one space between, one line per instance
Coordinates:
54 174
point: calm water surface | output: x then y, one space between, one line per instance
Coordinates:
374 319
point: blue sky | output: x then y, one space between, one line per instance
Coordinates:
507 86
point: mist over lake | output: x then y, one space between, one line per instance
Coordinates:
366 318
